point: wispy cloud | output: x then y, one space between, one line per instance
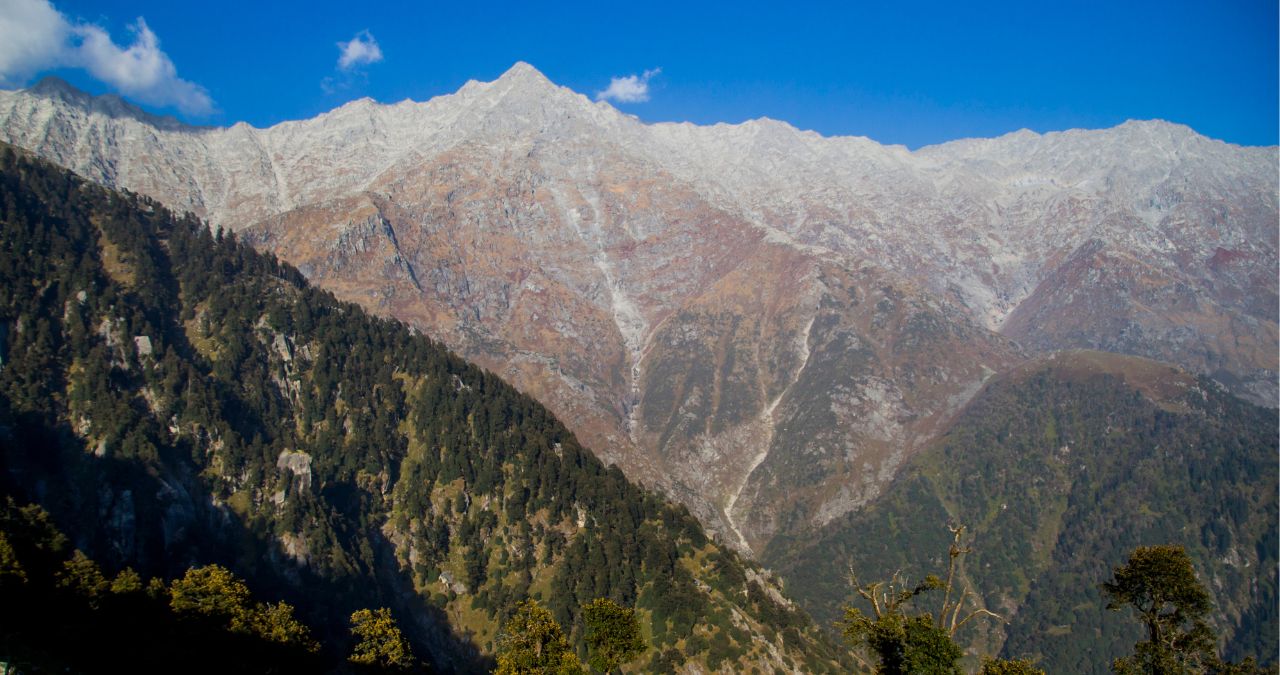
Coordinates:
628 89
362 50
140 70
353 55
35 36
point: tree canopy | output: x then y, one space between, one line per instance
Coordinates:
613 634
379 640
532 643
1159 584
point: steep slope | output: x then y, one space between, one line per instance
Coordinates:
173 397
658 285
1060 468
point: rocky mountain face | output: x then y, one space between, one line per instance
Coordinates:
761 321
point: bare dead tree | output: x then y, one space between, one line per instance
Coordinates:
949 616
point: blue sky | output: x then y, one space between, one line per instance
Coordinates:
898 72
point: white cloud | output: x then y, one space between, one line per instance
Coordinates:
141 70
628 89
362 50
35 36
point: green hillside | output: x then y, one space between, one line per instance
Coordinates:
1060 469
173 398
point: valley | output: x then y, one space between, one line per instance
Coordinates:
781 330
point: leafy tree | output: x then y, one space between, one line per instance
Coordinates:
1160 584
904 644
126 581
380 642
929 648
65 593
613 634
10 568
275 622
30 544
1009 667
82 575
533 643
214 592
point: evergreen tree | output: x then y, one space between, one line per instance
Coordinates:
1159 583
383 427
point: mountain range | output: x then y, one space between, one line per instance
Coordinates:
763 323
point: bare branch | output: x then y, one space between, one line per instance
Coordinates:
974 613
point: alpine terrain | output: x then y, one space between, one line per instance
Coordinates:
763 323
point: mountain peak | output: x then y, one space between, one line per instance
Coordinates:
54 86
523 99
521 72
113 105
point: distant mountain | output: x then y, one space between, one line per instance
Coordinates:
1060 468
174 398
763 322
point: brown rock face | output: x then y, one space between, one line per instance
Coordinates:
1108 299
763 322
677 338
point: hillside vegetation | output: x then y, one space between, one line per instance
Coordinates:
1060 469
173 398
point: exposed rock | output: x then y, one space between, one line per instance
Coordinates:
295 548
299 464
761 321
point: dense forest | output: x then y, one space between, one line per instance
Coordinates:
174 400
1060 470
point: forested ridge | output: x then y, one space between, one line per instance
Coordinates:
179 404
174 399
1060 470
